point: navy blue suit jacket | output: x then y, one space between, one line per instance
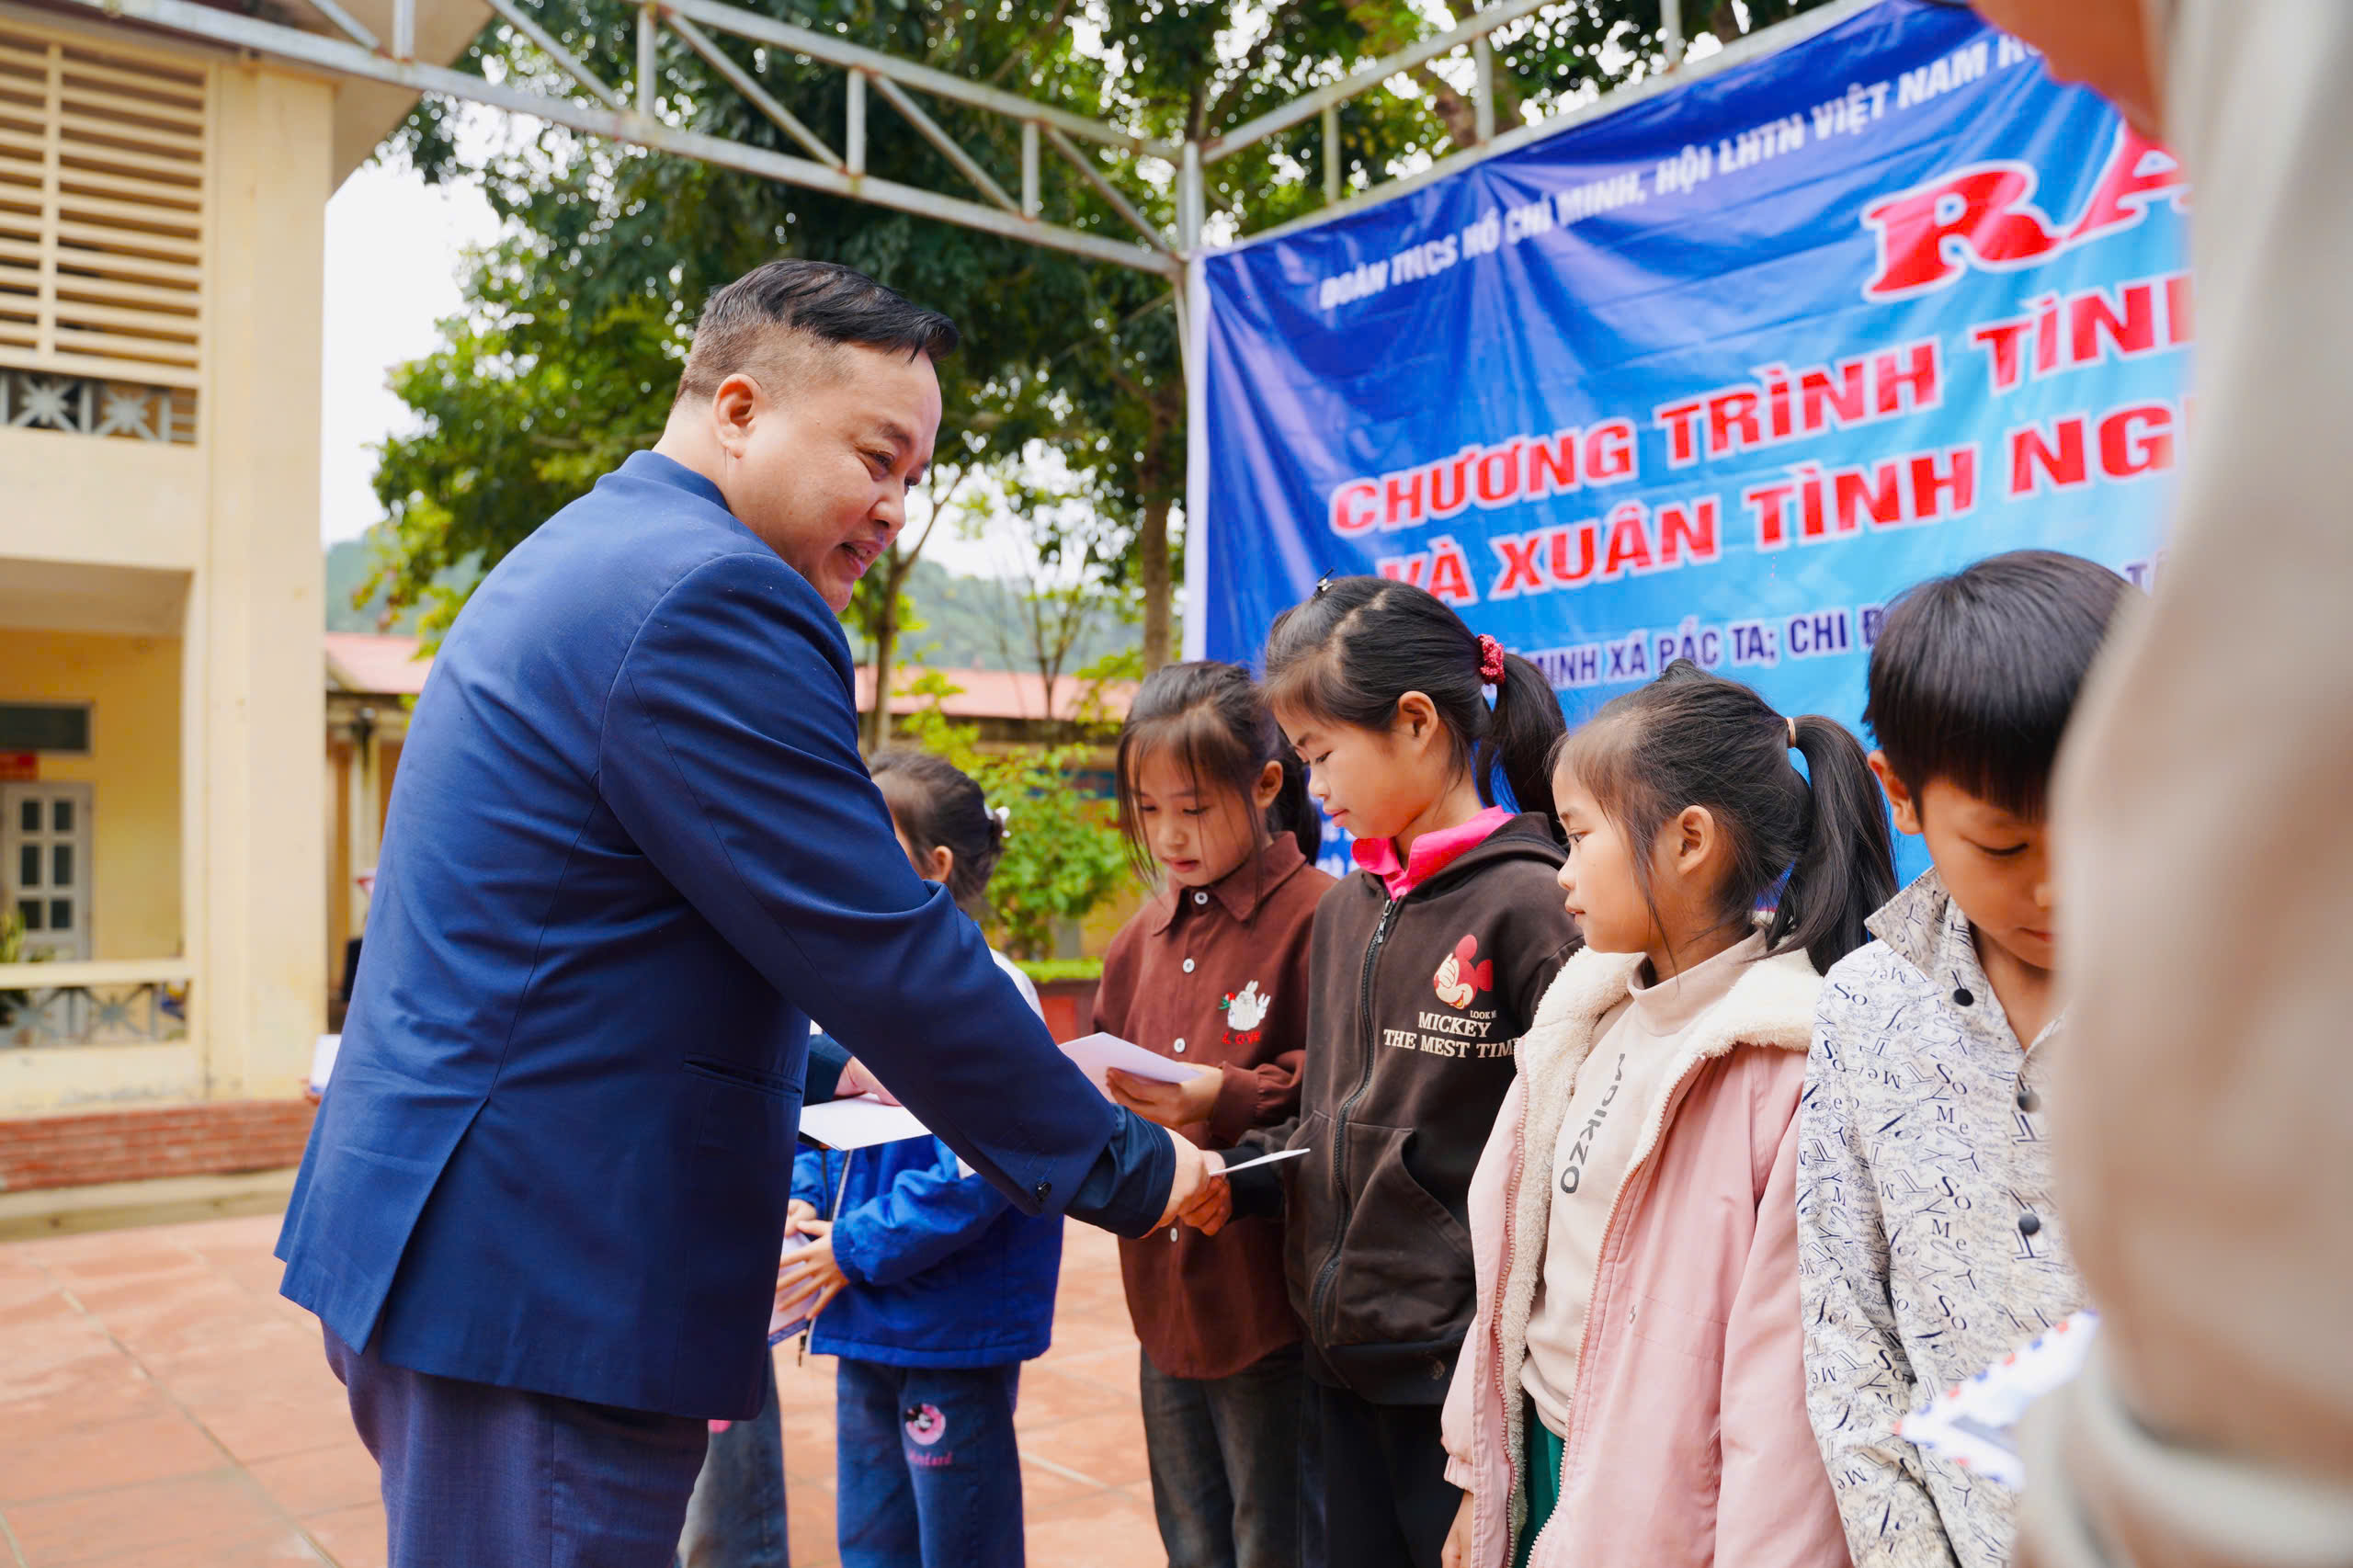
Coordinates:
632 851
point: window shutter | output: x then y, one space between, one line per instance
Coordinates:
102 213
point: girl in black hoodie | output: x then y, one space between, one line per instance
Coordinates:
1425 967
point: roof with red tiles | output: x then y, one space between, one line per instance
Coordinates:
375 663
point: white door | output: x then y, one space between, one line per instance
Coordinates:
45 865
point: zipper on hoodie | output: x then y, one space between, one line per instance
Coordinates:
1323 1292
1496 1333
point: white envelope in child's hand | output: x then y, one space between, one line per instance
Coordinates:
1098 1054
780 1328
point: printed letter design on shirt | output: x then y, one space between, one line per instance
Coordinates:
1459 981
1573 1173
1245 1010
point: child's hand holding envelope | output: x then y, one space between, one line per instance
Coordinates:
1158 1089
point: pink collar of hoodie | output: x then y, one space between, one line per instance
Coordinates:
1432 853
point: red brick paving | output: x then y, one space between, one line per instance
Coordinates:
160 1404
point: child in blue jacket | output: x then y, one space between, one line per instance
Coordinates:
930 1286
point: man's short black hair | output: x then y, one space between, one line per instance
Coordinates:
823 303
1973 675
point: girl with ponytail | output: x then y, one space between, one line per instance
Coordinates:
1425 968
1634 1215
1391 660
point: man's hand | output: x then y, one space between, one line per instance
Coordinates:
1455 1553
798 1213
1210 1202
810 1278
1195 1172
1170 1105
856 1081
1209 1212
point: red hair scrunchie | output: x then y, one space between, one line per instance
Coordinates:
1491 659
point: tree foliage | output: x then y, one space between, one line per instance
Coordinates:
1063 855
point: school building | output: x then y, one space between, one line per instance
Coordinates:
163 815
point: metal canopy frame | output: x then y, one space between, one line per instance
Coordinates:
598 109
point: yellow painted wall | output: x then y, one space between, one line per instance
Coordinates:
134 687
112 502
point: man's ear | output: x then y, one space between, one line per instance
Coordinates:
733 408
1899 798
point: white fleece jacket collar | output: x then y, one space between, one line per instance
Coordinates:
1772 1004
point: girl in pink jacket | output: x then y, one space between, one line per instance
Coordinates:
1633 1389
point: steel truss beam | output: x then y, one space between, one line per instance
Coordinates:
619 119
631 117
1475 32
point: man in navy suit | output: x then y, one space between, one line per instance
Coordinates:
631 853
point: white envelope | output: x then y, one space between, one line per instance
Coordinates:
1275 1158
858 1123
1098 1054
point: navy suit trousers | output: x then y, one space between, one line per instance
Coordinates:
476 1476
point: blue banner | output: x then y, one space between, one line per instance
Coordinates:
1716 374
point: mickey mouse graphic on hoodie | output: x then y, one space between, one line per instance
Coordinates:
1460 979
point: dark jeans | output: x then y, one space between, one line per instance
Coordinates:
474 1473
1386 1501
927 1472
736 1517
1225 1464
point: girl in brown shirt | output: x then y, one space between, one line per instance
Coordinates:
1213 971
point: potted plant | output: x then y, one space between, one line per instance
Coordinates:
12 951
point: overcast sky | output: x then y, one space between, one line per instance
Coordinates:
394 251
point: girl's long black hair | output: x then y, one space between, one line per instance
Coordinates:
936 803
1361 643
1691 738
1212 717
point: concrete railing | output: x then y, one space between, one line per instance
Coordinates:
111 1001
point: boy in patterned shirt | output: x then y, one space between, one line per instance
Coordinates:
1927 1245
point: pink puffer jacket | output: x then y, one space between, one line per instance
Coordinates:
1688 1443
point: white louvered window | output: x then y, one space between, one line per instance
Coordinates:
102 231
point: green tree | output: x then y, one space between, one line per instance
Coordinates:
1063 855
525 404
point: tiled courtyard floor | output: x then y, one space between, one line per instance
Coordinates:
161 1405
